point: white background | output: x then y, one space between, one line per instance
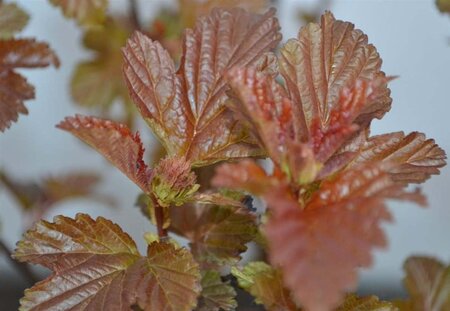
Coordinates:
413 40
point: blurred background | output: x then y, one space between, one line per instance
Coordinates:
412 38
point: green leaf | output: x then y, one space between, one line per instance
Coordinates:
96 266
370 303
217 234
443 5
12 20
265 284
87 13
216 295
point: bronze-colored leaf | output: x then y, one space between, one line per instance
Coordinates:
320 247
186 109
370 303
14 89
428 283
216 294
322 61
443 5
98 82
115 142
217 234
86 12
12 20
413 158
265 284
96 266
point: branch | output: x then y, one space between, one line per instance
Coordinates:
134 16
23 268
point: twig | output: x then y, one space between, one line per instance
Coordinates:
134 16
159 215
21 267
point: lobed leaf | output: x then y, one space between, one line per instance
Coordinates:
412 157
322 61
96 266
12 20
217 234
86 12
187 109
265 284
427 281
14 89
338 227
216 295
115 142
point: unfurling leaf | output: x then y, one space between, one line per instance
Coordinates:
14 89
96 266
370 303
413 158
173 182
86 12
12 19
428 283
217 234
98 82
187 108
216 294
265 284
320 246
115 142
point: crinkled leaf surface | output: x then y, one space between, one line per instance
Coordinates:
320 247
216 294
98 82
265 284
96 266
86 12
413 158
427 281
187 108
217 234
12 19
115 142
324 59
14 89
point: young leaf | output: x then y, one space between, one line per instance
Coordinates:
338 227
186 109
428 283
370 303
87 12
216 295
14 89
322 61
115 142
443 5
413 158
96 266
12 20
98 82
265 284
217 234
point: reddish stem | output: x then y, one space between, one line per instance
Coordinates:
159 215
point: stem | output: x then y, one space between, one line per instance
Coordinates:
21 267
134 15
159 215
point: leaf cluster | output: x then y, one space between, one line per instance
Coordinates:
325 195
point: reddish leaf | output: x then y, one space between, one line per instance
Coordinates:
96 266
413 158
320 247
186 109
320 63
115 142
14 89
217 234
